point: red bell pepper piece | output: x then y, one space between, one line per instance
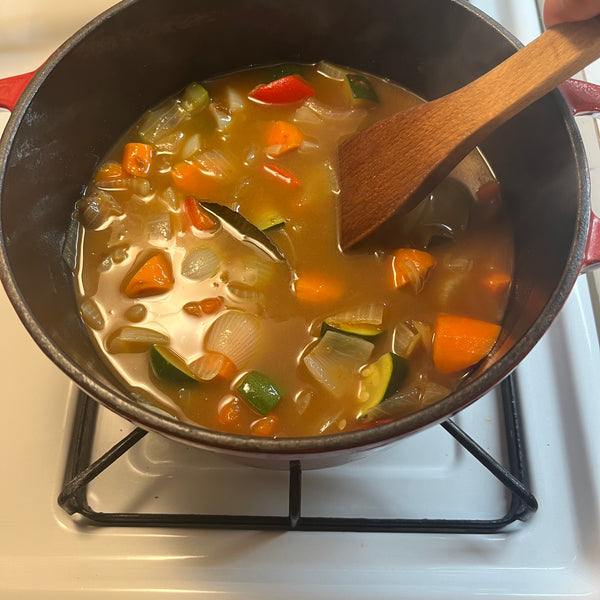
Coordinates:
280 174
282 91
198 217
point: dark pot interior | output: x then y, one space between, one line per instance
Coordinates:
142 51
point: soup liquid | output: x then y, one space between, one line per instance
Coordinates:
229 137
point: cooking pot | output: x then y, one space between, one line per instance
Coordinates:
141 51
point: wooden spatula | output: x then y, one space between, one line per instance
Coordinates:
395 163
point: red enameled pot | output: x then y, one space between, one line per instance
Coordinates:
68 114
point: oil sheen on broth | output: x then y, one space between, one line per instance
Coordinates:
200 322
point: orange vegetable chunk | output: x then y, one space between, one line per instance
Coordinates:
137 159
198 217
460 342
190 178
497 281
281 137
155 276
411 266
316 287
109 170
281 174
265 427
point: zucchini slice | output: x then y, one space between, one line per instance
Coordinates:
259 391
362 330
361 89
169 366
381 379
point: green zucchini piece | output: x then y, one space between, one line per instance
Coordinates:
365 331
381 379
279 71
195 97
259 391
169 366
269 221
361 89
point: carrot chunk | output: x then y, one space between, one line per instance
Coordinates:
229 412
318 288
109 170
280 174
461 342
281 137
137 159
411 266
155 276
190 178
198 217
213 365
265 427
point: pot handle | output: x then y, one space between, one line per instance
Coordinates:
11 89
591 257
582 96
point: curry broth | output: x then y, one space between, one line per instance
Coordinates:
289 326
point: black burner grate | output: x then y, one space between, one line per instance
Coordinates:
80 472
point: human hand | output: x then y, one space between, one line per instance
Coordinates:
559 11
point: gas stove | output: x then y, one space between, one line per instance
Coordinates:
160 521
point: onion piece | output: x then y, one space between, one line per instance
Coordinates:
221 114
235 101
252 270
190 146
134 339
137 185
91 314
159 229
367 314
97 210
336 360
158 123
405 340
213 163
200 263
235 334
331 71
171 198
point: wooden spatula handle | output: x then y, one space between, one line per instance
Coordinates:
529 74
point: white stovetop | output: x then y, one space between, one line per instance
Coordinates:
44 554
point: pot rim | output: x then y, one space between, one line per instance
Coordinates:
376 435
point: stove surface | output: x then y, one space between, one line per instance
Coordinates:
44 553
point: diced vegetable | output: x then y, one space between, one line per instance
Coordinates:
229 411
265 427
194 98
460 342
155 276
331 71
236 334
138 185
411 266
259 391
252 269
190 178
221 115
312 287
213 365
364 321
361 89
159 229
97 210
137 159
285 90
269 220
109 170
136 313
335 361
169 366
190 147
91 314
281 137
281 174
158 123
405 339
283 70
134 339
313 114
381 379
200 264
198 217
208 306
